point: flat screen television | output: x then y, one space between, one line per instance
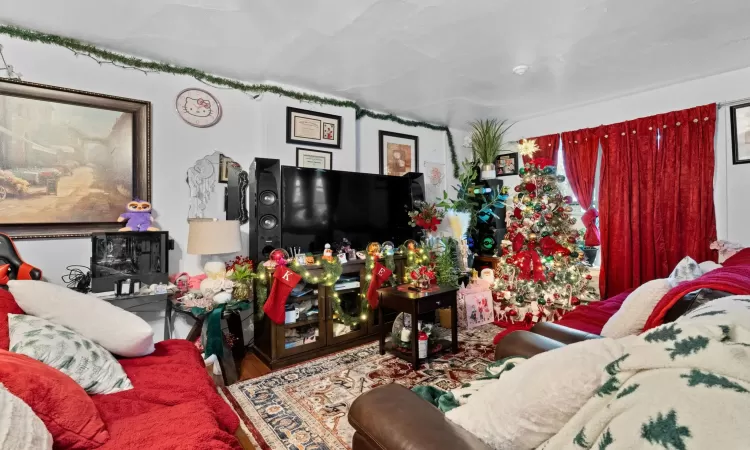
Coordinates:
325 206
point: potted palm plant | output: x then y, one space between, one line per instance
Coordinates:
487 140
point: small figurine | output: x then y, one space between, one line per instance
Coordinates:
342 258
328 253
138 217
309 259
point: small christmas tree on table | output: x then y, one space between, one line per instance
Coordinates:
542 274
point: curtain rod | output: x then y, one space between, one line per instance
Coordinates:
733 102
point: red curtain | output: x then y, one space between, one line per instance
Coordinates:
548 146
580 149
656 197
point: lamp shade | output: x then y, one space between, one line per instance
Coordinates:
213 237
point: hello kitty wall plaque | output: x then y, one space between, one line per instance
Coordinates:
198 108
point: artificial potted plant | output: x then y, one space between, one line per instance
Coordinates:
242 275
487 137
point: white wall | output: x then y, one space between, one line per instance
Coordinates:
731 183
248 129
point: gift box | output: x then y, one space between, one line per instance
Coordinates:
474 304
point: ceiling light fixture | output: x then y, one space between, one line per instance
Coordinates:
520 70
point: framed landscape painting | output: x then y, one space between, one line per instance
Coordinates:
70 161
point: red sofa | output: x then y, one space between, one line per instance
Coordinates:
173 404
732 278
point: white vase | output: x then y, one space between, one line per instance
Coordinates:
488 172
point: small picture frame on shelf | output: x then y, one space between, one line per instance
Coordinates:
740 118
314 159
506 164
312 128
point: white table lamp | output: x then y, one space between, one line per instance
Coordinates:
214 237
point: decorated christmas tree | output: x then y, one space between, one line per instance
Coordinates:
542 274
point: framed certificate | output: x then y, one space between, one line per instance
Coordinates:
312 128
314 159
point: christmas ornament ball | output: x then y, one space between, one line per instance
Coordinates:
518 187
568 199
278 255
541 301
538 207
560 178
572 239
532 236
572 221
575 301
545 233
521 171
588 276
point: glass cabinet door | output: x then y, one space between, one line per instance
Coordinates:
348 318
303 327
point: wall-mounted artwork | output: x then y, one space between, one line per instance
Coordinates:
314 159
740 116
434 177
312 128
70 161
399 153
198 108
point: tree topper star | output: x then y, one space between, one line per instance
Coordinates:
528 147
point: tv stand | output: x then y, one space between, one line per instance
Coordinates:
310 336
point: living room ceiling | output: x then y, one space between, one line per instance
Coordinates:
445 61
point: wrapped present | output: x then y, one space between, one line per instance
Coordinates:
474 304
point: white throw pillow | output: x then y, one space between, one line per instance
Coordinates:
88 364
119 331
530 403
635 310
20 428
708 266
686 270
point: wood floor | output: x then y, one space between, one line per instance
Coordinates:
252 367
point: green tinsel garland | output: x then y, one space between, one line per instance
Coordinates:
79 47
261 289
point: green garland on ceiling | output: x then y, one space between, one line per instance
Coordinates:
130 62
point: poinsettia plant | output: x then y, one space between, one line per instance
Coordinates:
423 274
427 216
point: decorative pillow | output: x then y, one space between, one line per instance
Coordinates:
119 331
89 364
708 266
20 428
8 305
686 270
530 403
65 408
635 310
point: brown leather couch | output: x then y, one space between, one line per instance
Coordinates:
394 418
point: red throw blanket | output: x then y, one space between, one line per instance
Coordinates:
734 279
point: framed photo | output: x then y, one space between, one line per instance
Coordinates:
224 164
506 164
740 116
70 161
312 128
314 159
399 153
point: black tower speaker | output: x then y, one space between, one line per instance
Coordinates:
491 231
265 207
417 189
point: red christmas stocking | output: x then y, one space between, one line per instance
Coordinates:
380 275
284 280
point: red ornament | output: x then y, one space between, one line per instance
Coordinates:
572 239
588 277
548 216
506 278
518 214
544 206
575 301
568 199
556 233
556 295
532 195
531 187
517 188
513 313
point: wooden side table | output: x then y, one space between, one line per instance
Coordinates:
416 303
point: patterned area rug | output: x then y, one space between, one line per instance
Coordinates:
305 406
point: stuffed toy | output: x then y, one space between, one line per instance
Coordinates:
138 217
